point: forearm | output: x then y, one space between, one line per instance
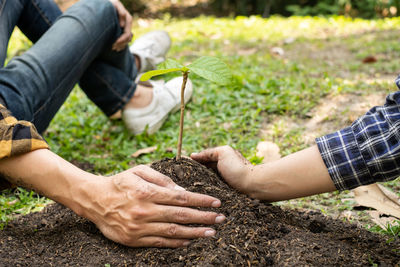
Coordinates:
49 175
297 175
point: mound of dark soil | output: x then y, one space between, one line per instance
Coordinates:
255 233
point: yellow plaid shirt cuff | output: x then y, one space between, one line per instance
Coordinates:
17 137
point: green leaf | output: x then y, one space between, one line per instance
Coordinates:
148 75
170 64
213 69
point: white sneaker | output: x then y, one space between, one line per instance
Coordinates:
151 49
166 99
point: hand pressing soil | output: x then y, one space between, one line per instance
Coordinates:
254 234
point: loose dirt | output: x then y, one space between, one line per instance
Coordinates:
255 234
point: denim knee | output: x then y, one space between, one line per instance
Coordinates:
96 16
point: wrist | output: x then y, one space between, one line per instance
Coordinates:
84 196
258 181
245 183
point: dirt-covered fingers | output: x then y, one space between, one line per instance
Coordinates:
161 242
173 235
176 231
155 177
188 216
181 198
206 156
212 154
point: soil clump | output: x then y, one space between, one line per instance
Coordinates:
254 234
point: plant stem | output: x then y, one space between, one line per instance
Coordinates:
179 152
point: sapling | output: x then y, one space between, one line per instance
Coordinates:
210 68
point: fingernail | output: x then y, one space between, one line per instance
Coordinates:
194 154
209 233
216 204
186 243
220 219
180 188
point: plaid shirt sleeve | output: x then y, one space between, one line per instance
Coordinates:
17 137
369 150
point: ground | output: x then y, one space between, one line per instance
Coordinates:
294 79
255 233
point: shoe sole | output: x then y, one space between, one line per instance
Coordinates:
153 128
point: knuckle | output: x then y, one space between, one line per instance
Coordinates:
158 243
139 168
181 215
172 230
209 217
182 197
139 213
143 192
166 180
132 228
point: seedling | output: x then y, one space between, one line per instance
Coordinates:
210 68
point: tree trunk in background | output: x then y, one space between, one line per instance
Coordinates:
267 9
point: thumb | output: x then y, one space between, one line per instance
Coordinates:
210 155
152 176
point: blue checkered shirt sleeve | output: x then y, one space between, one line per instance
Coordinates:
369 150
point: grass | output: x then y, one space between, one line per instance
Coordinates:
324 59
19 202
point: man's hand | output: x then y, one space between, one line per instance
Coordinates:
125 21
141 207
231 165
138 207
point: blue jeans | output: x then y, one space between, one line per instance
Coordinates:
68 48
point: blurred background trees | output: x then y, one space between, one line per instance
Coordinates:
355 8
265 8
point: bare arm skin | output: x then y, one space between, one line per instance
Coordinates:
138 207
297 175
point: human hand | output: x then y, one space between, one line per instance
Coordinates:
125 21
141 207
231 165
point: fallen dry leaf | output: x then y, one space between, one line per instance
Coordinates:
369 59
289 40
348 214
216 36
142 151
227 125
382 221
278 51
10 203
268 150
246 52
372 196
393 196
